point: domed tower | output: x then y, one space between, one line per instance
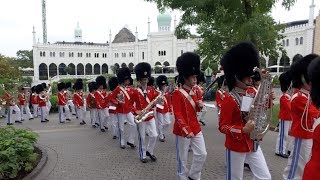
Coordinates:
164 21
78 33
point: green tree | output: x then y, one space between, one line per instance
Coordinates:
26 55
223 23
7 71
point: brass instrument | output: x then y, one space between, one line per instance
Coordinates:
145 113
45 95
261 108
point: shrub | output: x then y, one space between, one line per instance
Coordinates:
16 151
54 103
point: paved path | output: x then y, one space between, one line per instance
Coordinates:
81 152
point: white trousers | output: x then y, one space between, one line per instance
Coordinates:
256 160
114 123
44 113
16 109
72 108
27 109
283 137
94 116
150 128
298 159
163 123
35 110
201 114
132 126
103 115
49 105
67 111
81 113
199 151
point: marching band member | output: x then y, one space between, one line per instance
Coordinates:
62 102
303 113
199 89
123 92
91 103
69 97
48 103
79 101
142 96
311 170
186 127
284 116
238 64
163 111
42 102
23 102
117 126
102 101
220 93
12 106
34 101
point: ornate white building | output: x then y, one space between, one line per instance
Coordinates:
87 59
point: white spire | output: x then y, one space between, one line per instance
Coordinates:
148 25
78 33
110 36
311 15
136 34
34 35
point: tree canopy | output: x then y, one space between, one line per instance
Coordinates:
223 23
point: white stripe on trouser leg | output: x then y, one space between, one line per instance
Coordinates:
121 119
298 159
283 137
132 128
114 122
164 123
17 112
62 117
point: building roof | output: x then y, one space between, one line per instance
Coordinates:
296 23
82 43
124 35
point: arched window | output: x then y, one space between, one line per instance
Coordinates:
44 54
53 71
61 69
301 40
40 53
297 41
80 69
96 69
287 42
104 69
88 69
71 69
43 71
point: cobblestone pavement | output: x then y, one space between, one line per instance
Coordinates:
81 152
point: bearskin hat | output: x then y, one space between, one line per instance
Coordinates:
101 81
33 89
151 81
78 85
131 81
299 70
220 81
285 81
296 58
61 86
238 62
162 80
92 86
39 88
113 83
201 78
44 85
142 70
123 74
256 76
188 64
68 85
314 75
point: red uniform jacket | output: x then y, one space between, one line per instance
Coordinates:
7 97
231 124
34 99
42 102
62 98
22 99
299 101
130 91
142 99
102 99
311 170
219 97
91 102
166 104
185 113
125 107
284 113
78 99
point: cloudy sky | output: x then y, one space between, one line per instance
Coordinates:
96 18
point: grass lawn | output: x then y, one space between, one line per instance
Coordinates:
275 113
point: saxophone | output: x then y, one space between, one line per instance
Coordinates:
261 108
145 113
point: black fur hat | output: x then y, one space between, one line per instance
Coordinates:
44 85
123 74
296 58
61 86
201 78
113 83
78 85
33 89
299 70
151 81
39 88
142 70
188 64
239 62
68 85
220 81
285 81
92 86
162 80
131 81
314 75
101 81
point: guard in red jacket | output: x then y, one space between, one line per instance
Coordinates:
102 101
42 96
79 101
91 103
311 171
34 101
12 106
123 96
284 116
186 127
24 98
62 102
142 96
220 93
238 64
303 114
163 110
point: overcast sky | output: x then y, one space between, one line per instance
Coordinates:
96 18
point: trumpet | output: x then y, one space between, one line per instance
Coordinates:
46 95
